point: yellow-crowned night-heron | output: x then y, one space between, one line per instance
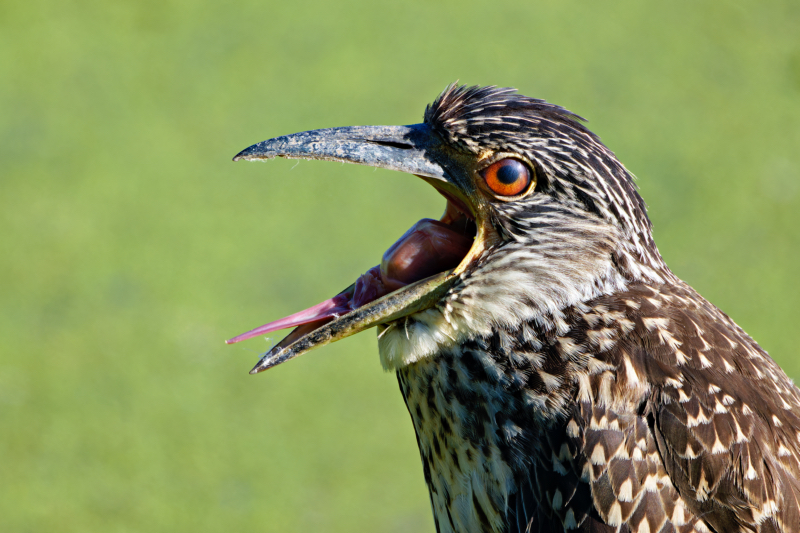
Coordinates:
558 375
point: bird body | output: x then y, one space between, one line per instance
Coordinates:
561 377
622 410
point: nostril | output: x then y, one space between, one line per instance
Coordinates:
393 144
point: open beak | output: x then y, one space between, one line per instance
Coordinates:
416 272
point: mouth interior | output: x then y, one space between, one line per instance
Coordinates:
427 248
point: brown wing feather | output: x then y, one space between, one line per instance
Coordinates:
647 410
723 415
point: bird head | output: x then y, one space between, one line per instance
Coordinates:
539 215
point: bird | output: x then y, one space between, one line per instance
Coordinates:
558 375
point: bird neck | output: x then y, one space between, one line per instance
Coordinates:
516 285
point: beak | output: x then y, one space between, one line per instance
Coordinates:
414 149
404 148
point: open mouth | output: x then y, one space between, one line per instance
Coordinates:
414 273
428 248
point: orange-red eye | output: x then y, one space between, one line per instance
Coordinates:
507 177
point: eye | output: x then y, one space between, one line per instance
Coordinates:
507 177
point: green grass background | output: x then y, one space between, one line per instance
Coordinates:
132 246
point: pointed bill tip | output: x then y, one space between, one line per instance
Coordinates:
262 150
274 357
247 155
241 155
261 365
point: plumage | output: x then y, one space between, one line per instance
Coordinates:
564 379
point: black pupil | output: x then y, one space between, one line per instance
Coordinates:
510 172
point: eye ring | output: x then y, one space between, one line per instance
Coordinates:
507 177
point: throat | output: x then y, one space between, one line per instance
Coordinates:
511 288
418 336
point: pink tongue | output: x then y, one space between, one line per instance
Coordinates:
427 248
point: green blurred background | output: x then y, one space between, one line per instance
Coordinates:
132 246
